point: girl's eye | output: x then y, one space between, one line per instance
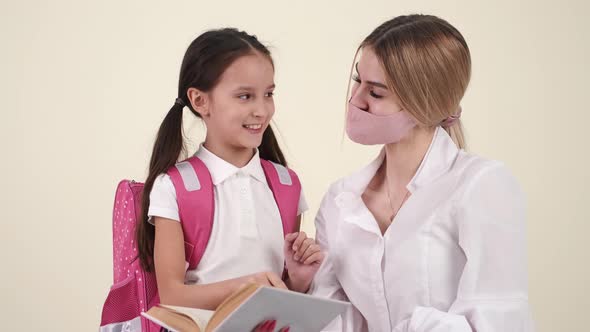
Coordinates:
374 95
245 96
270 94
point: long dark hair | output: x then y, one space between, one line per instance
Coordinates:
205 60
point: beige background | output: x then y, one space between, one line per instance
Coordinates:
84 87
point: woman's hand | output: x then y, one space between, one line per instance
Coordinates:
269 326
303 257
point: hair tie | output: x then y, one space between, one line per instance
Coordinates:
448 122
180 102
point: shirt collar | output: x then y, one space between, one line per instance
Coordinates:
439 158
221 170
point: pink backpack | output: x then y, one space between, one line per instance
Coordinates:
134 290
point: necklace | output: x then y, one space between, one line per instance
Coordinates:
393 210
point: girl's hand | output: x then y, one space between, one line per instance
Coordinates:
269 326
264 279
303 257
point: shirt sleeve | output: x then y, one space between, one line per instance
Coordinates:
163 199
326 284
302 207
492 293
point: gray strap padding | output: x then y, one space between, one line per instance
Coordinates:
284 176
189 176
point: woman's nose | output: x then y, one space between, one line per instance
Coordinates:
357 99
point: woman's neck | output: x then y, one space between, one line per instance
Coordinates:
403 158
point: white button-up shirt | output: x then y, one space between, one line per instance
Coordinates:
453 258
247 234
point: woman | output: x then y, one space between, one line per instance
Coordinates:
427 237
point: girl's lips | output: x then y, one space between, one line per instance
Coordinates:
253 129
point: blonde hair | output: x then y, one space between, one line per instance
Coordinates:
428 65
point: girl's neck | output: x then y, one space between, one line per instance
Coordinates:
237 156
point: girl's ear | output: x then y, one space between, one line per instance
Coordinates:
199 101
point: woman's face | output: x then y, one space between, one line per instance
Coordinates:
370 91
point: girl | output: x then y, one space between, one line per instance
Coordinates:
427 237
227 80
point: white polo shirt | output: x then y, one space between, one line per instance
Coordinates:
247 234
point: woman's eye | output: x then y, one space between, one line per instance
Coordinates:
374 95
270 94
245 96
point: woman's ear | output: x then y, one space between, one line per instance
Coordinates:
199 101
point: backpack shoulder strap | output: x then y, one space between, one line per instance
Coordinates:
194 194
286 188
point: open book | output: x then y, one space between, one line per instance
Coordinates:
251 305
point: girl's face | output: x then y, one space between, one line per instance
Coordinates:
370 91
239 108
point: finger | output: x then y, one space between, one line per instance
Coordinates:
317 257
304 246
262 327
285 329
300 238
262 279
275 281
312 249
291 237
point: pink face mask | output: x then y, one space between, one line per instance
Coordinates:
369 129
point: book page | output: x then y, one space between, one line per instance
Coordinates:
200 316
171 320
229 305
176 318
